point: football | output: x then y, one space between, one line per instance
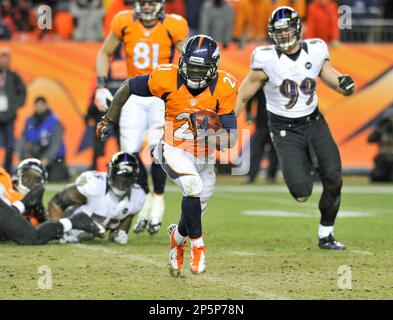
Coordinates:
206 120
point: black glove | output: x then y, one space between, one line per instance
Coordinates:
346 84
104 128
34 197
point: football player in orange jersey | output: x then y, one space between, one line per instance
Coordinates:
25 196
193 86
149 37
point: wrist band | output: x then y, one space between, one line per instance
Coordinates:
101 82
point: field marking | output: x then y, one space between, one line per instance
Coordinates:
362 252
206 277
243 253
294 214
309 204
368 189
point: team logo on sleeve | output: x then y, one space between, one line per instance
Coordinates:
82 181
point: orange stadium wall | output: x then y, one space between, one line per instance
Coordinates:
64 72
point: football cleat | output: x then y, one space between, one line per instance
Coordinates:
176 254
69 238
330 244
140 226
153 228
198 259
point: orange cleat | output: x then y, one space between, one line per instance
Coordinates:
176 254
198 259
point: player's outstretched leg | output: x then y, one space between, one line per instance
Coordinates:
329 171
192 213
329 205
157 204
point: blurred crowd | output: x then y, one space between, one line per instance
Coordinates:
225 20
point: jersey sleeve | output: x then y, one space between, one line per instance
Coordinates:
260 59
91 184
162 80
320 48
228 88
119 22
177 27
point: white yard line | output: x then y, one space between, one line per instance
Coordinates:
206 277
368 189
362 252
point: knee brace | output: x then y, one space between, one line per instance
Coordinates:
192 185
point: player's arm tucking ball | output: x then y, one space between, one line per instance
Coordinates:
342 83
251 84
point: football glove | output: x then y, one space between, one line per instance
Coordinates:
346 83
103 99
104 128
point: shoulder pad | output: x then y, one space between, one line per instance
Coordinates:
91 183
261 55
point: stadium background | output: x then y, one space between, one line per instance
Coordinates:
54 65
65 74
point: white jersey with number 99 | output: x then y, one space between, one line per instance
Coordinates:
290 88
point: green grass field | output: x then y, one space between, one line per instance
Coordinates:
260 245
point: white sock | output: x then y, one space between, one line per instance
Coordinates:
157 208
178 237
324 231
198 242
67 225
144 214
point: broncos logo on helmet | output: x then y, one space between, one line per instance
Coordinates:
199 61
122 172
284 27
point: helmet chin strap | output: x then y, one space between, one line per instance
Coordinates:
196 85
287 45
118 193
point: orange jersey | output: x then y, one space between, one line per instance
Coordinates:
7 191
146 48
219 96
10 195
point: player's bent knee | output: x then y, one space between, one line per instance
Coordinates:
192 185
333 181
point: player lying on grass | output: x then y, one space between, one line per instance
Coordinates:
288 72
191 91
109 199
26 199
